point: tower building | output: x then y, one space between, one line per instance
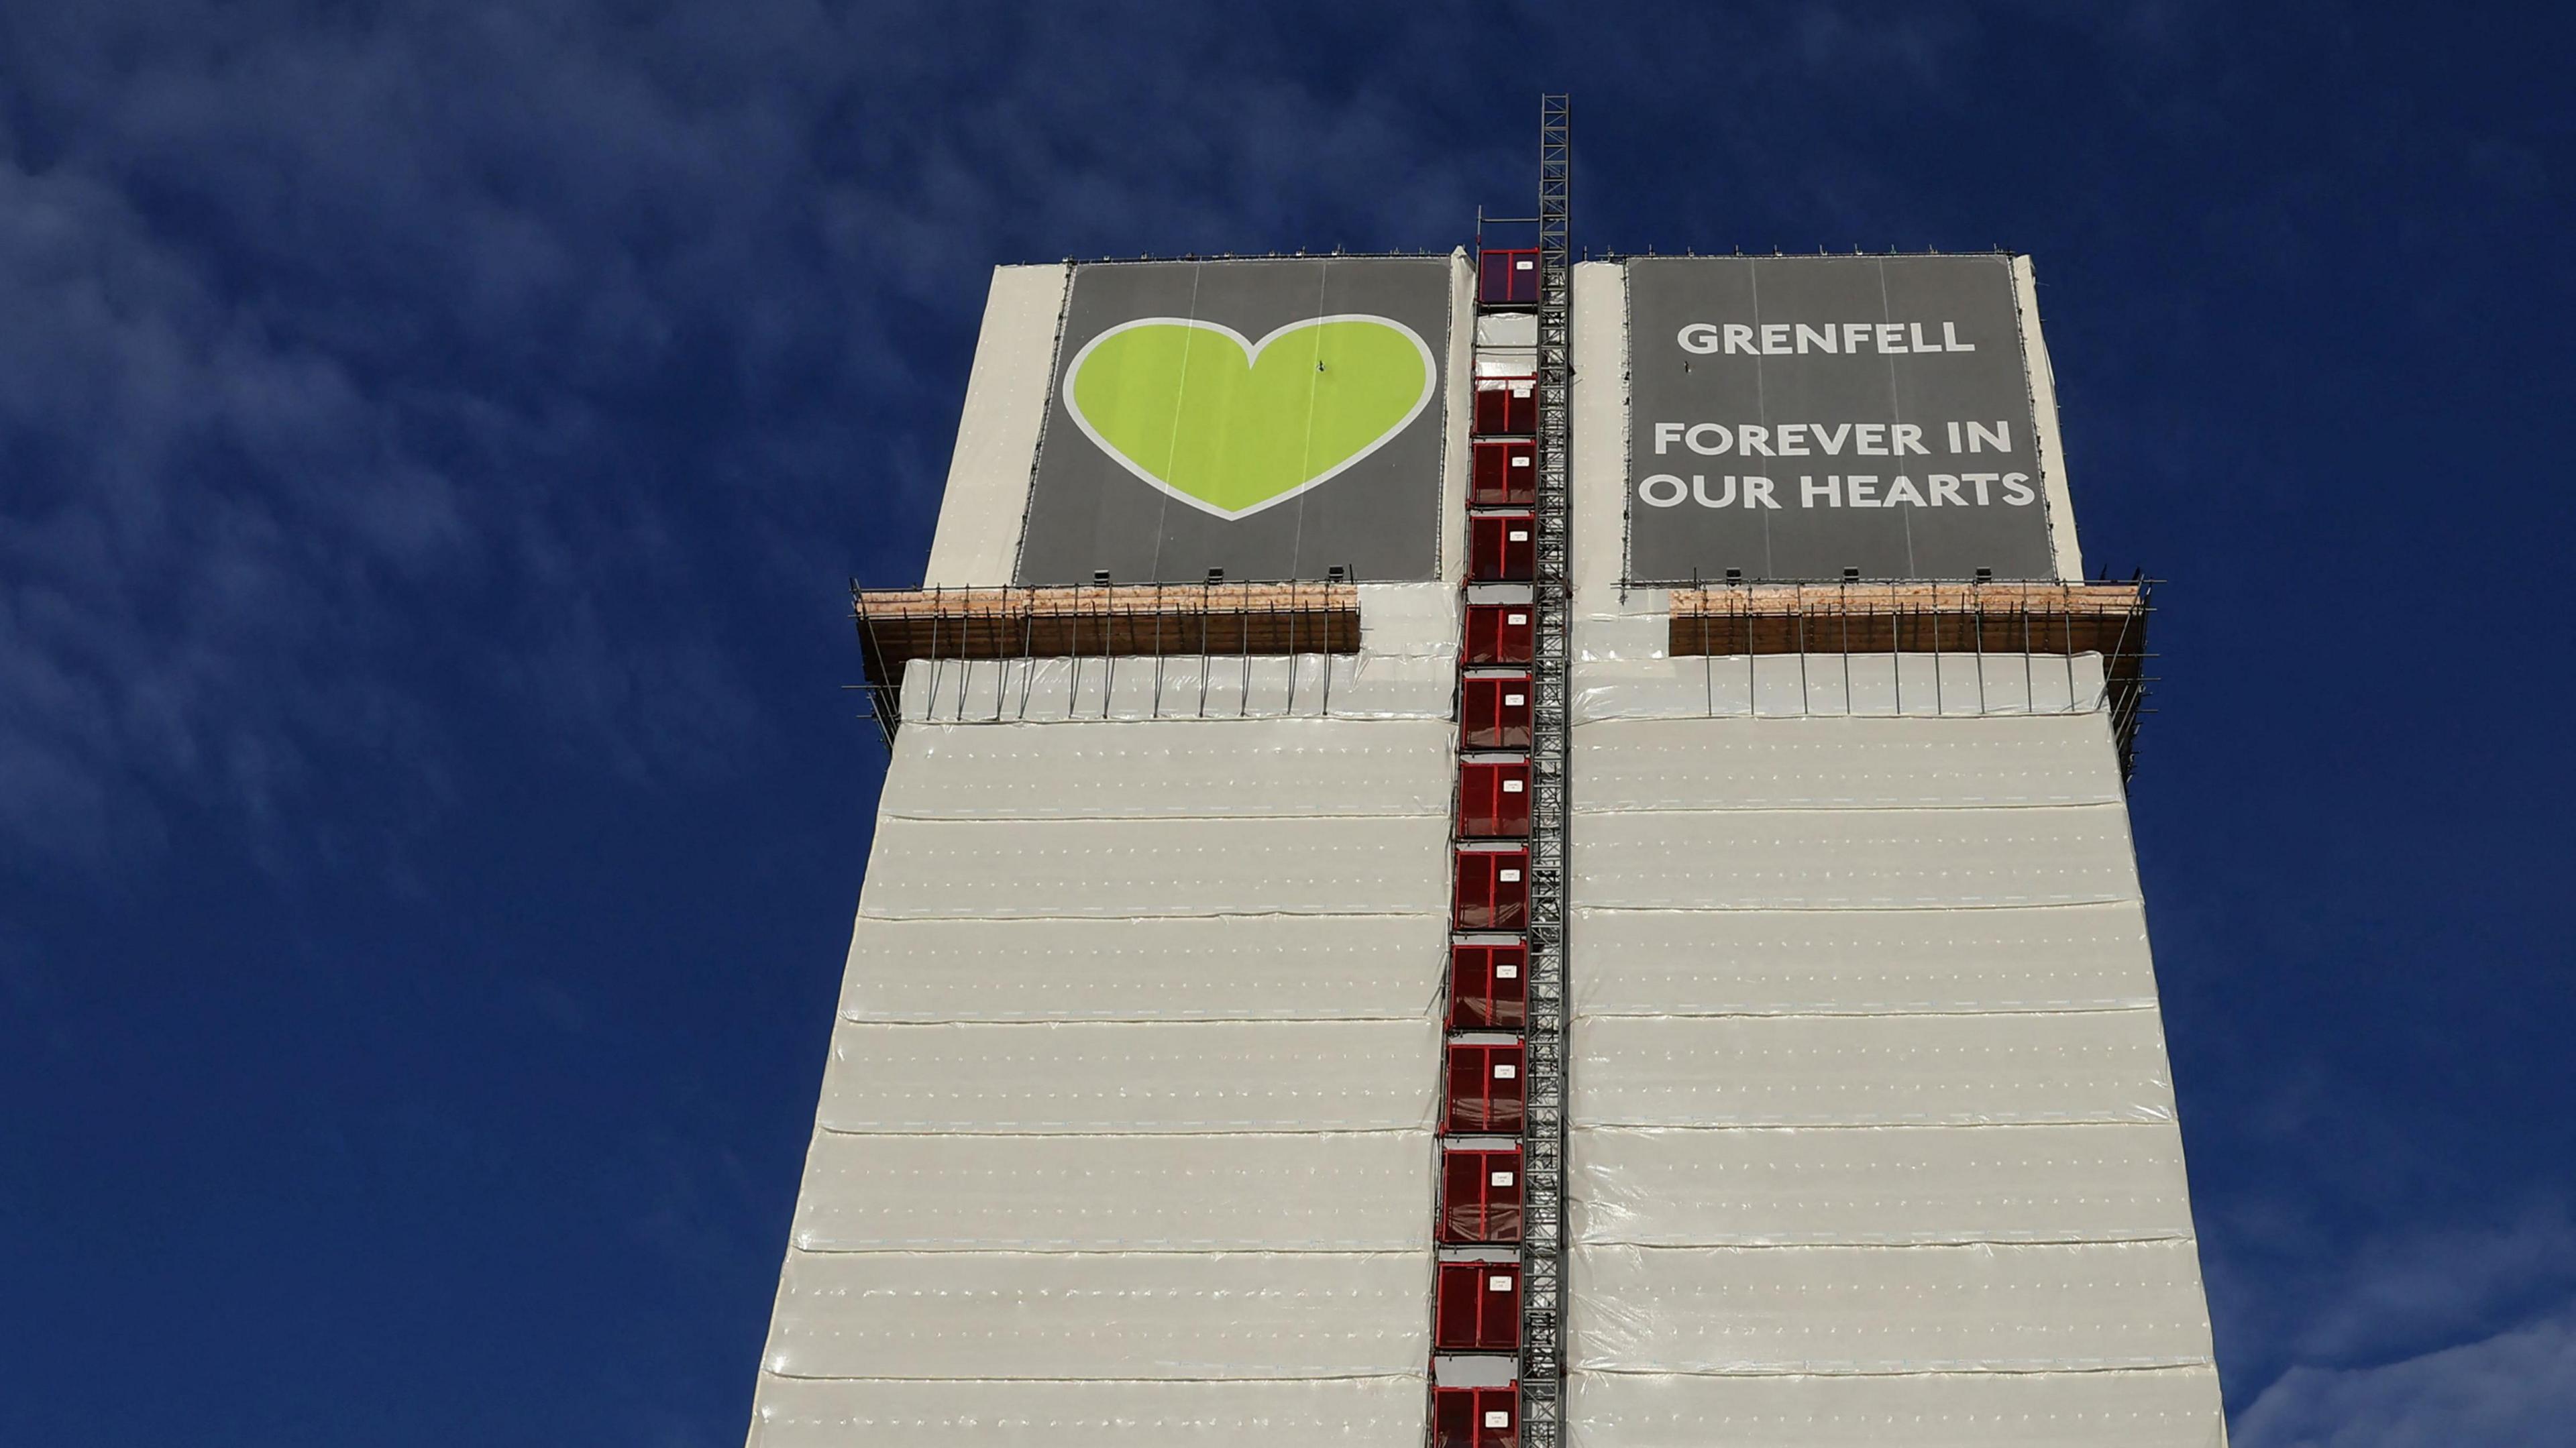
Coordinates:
1487 850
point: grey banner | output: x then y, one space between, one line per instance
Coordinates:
1793 417
1111 490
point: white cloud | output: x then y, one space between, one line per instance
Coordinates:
2511 1390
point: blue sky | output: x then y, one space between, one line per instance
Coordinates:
434 440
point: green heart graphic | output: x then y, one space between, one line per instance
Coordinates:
1232 426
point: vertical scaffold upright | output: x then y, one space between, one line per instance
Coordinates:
1543 1235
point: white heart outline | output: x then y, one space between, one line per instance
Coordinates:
1251 356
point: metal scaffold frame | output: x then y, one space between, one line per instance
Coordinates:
1543 1234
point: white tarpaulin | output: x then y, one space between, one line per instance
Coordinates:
1222 967
1290 1191
1791 685
1195 687
1852 859
1881 1184
1128 868
1023 1315
1371 1412
1846 763
1192 769
1862 962
2008 1308
2145 1408
1193 1076
1870 1070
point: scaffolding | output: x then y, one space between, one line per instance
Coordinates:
2029 627
1209 621
1543 1236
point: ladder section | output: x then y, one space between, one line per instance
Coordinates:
1497 1357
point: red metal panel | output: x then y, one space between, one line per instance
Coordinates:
1498 633
1487 987
1494 712
1492 890
1500 547
1493 800
1506 406
1476 1417
1485 1087
1479 1307
1505 473
1507 276
1480 1195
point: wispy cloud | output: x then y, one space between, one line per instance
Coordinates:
2515 1387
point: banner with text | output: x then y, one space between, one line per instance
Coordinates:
1794 417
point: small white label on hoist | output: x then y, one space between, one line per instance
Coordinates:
1502 1178
1511 786
1498 1284
1520 462
1512 700
1516 618
1507 1073
1520 535
1507 972
1524 266
1510 877
1498 1420
1520 389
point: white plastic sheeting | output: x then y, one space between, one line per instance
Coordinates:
1293 1191
2148 1408
1138 688
1795 685
1854 1309
1871 1070
1225 967
1120 869
1847 763
1852 860
1872 1131
978 539
1642 633
1376 1412
1199 1076
1887 1184
1863 962
1029 1315
1189 769
1409 621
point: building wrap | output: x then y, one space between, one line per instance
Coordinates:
1389 924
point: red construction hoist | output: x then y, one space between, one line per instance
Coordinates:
1497 1375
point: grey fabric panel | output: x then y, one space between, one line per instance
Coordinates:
1853 859
1017 1315
1206 1076
1185 770
2031 1308
1845 763
1860 962
1869 1070
1127 869
1887 1184
1955 357
1370 1412
1379 517
2139 1408
1280 1192
1224 967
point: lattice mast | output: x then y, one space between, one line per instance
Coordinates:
1543 1239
